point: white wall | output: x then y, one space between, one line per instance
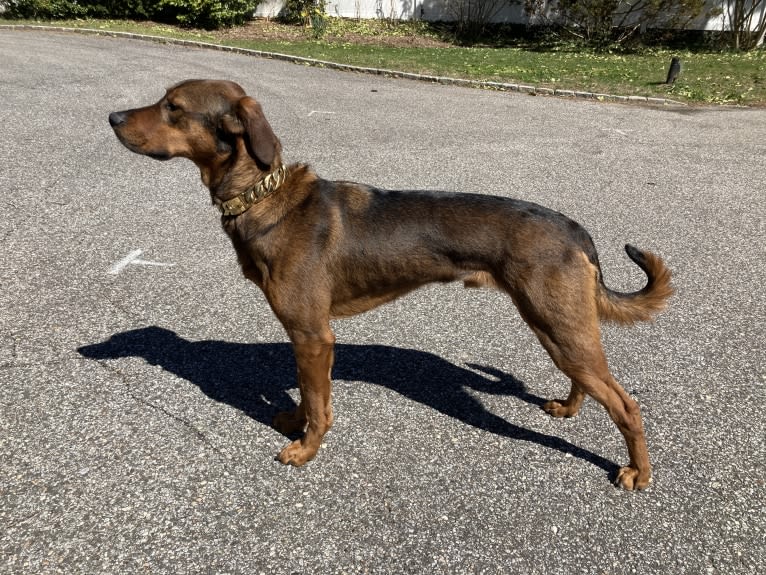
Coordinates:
435 10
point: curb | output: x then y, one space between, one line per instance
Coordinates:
499 86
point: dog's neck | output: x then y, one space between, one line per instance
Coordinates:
265 185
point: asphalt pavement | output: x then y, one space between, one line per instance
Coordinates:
139 370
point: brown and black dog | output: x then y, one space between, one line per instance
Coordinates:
321 250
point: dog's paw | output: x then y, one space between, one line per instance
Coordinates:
560 408
288 422
631 479
296 454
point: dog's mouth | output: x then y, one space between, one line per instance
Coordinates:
161 156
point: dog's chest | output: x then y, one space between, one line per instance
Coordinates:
250 256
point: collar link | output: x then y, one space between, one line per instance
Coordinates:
262 189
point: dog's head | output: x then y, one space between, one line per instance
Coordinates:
211 122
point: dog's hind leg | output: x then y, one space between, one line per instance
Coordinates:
566 407
581 357
557 302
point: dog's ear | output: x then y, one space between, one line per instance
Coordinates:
249 122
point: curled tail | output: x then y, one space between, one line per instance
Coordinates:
642 305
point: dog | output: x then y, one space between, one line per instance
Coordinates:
322 249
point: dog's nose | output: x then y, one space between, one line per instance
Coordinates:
116 119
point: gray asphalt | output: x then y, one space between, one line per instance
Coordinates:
135 405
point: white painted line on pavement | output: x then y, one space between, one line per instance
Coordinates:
132 259
120 265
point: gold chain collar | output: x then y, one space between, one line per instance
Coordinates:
244 201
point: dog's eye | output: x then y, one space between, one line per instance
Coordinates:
171 107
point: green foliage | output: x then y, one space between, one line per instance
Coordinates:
310 13
137 9
61 9
209 14
44 9
307 12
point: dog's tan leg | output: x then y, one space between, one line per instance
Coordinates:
581 357
566 407
625 412
290 422
314 356
562 313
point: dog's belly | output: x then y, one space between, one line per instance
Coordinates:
348 308
347 303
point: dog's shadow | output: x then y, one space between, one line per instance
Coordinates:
254 378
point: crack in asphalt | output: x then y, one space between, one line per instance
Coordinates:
185 423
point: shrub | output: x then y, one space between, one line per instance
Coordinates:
746 22
307 12
604 22
44 9
207 14
192 13
473 16
135 9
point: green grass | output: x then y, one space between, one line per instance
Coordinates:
710 77
706 78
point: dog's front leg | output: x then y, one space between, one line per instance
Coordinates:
314 356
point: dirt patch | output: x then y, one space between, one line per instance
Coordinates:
268 30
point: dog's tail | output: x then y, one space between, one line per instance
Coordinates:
643 305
